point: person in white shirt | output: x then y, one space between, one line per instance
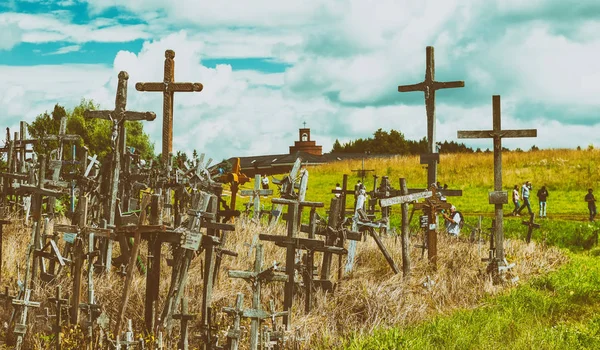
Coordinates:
265 182
337 187
452 221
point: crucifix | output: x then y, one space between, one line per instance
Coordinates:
168 87
429 86
118 116
498 197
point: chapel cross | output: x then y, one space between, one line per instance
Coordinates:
498 197
168 87
429 86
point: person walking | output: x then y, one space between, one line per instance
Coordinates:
525 194
452 221
515 199
338 188
542 195
591 201
265 182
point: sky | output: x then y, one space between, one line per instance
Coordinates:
335 64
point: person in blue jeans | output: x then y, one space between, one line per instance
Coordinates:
515 199
542 196
525 189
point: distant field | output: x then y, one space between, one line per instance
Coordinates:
567 175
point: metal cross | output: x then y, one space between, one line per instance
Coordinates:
429 86
168 87
498 197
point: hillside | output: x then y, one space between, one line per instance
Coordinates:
372 298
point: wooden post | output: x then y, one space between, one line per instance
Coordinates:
2 223
131 264
498 197
184 318
234 333
429 87
154 262
21 327
168 87
405 232
59 303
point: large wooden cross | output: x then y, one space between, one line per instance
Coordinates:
429 86
168 87
498 197
118 116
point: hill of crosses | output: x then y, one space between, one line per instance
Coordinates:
127 253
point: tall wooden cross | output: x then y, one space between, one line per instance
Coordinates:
168 87
429 86
118 116
498 197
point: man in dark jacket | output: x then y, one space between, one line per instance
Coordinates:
591 201
542 195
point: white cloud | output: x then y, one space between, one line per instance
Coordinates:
10 35
358 51
53 27
66 49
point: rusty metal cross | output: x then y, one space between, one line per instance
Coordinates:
429 86
168 87
498 197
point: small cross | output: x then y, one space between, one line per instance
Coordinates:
304 124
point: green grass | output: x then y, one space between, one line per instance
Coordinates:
556 311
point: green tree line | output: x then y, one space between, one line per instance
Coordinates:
394 142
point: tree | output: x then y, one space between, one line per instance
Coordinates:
95 133
337 147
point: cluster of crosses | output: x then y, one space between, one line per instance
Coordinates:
182 209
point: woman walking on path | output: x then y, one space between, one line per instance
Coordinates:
515 199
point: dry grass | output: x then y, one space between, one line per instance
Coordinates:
372 296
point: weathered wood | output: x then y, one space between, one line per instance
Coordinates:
287 191
21 327
184 318
428 158
386 202
234 332
498 134
429 87
530 226
255 194
60 303
405 232
168 87
2 223
498 197
130 266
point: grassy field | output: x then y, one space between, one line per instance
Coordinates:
554 311
553 304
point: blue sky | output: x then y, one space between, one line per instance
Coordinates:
335 64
